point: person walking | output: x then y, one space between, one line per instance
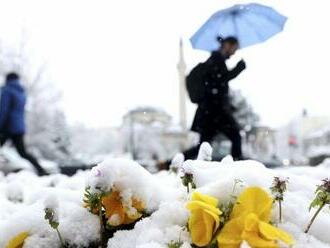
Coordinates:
12 123
214 114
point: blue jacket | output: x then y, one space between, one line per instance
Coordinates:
12 105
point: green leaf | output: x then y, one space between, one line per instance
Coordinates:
214 245
54 224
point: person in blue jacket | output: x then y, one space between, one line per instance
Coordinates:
12 121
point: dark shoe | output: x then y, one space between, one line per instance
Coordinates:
42 173
163 165
241 158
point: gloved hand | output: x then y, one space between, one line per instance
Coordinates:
241 65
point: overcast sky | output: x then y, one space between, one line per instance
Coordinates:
110 56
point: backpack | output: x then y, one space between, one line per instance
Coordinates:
195 83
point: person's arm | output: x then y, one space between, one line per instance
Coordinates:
236 71
4 107
217 62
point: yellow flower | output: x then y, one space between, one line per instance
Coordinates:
204 219
117 213
18 240
249 221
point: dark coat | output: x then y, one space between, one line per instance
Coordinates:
12 104
216 111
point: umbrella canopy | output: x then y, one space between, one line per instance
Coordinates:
250 24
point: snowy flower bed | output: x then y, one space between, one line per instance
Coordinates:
202 204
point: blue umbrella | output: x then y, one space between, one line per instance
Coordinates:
251 24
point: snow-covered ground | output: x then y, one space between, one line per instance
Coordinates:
11 161
163 197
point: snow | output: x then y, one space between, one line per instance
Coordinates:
76 223
23 197
131 179
301 189
319 150
160 229
205 152
51 202
11 161
319 133
177 161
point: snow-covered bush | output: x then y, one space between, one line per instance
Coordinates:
140 209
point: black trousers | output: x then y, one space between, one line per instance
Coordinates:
18 142
227 126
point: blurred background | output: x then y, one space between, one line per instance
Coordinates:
104 78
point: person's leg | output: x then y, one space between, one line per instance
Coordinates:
205 136
232 131
236 140
3 139
18 142
192 152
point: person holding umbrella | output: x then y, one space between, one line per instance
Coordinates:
243 25
214 114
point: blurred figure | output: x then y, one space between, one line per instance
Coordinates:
12 124
214 114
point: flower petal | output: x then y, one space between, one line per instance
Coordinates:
193 205
201 228
204 218
18 240
196 196
251 223
272 233
198 227
253 200
113 206
251 233
138 204
255 241
130 219
216 219
230 235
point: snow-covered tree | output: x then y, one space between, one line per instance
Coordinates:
142 131
46 126
92 145
244 113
